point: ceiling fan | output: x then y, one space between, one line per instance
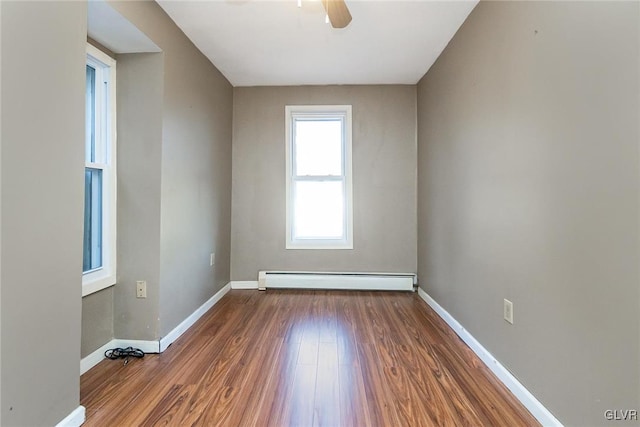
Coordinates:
337 12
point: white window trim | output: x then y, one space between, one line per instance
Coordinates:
320 111
105 276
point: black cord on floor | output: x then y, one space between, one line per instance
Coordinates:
119 353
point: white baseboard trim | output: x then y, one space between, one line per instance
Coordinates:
189 321
74 419
534 406
96 357
244 284
146 346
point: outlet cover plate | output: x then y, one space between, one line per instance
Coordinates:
508 311
141 289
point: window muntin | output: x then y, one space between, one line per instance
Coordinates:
319 214
99 243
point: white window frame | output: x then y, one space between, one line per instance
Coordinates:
342 112
105 66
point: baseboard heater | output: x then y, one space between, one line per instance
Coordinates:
342 281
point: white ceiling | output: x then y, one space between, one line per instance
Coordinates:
267 43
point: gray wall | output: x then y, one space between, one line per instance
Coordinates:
528 190
140 95
194 166
139 98
196 180
42 202
384 180
97 321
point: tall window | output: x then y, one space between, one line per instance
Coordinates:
99 245
319 205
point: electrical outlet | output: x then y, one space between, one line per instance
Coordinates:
508 311
212 259
141 289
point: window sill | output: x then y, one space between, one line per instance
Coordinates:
96 284
319 246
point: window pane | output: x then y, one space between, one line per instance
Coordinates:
318 147
318 210
92 251
90 115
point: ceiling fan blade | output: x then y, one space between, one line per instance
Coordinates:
338 12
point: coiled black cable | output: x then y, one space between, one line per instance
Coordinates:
119 353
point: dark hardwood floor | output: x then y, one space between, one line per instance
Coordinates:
306 358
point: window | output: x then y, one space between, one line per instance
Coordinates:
319 206
99 242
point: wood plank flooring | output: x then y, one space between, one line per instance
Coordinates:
306 358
